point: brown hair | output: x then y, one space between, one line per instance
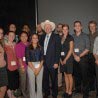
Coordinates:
10 32
78 22
23 32
65 25
59 24
92 22
1 29
2 40
38 46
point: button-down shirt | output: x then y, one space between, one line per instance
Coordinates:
20 52
11 56
34 55
81 43
46 42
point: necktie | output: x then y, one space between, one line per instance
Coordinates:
46 44
47 38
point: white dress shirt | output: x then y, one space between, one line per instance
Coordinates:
46 42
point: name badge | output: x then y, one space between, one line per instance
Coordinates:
76 50
13 63
24 58
62 53
36 64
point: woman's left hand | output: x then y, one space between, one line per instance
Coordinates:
37 70
64 62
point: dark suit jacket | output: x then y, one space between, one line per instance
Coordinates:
53 50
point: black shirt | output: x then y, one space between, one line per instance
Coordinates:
34 55
66 46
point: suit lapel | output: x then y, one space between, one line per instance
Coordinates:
43 39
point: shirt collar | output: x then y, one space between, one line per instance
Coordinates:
24 44
94 34
49 34
79 34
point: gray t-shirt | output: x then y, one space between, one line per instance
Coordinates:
81 43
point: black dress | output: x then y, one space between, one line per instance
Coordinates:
68 67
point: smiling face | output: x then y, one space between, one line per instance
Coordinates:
77 27
26 28
39 28
24 37
11 36
12 27
65 30
92 27
34 39
1 33
48 28
59 28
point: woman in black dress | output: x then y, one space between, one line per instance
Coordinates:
66 60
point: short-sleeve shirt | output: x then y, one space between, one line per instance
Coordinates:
81 43
20 52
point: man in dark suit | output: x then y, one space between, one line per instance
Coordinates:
52 46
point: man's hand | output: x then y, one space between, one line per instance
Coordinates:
77 58
55 66
96 62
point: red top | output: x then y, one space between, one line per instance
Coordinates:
11 57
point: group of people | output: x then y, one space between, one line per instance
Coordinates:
37 63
